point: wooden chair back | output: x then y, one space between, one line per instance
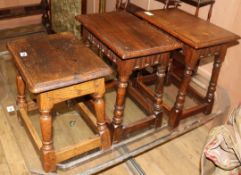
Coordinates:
197 3
122 4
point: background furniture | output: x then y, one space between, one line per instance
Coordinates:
196 3
128 6
169 3
120 4
201 3
58 68
28 10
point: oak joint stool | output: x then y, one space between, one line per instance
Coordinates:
131 45
57 68
207 40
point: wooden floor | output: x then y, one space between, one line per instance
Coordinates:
18 156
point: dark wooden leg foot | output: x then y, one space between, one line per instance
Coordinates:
179 104
169 71
124 70
21 99
119 110
213 83
47 151
104 132
158 111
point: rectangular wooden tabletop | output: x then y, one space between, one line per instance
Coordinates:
188 28
55 61
126 35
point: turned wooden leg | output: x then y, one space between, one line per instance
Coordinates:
119 107
179 104
47 151
104 132
213 83
169 71
157 109
21 99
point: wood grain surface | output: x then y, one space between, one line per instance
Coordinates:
56 61
127 35
189 29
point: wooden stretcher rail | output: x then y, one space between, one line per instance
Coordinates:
145 90
74 150
139 125
30 127
110 85
191 91
145 103
193 110
69 151
176 79
88 116
32 106
141 94
135 95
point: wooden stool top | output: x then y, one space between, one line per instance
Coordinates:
126 35
55 61
188 28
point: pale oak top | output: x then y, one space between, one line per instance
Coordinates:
55 61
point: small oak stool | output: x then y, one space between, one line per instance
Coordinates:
57 68
131 45
208 40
